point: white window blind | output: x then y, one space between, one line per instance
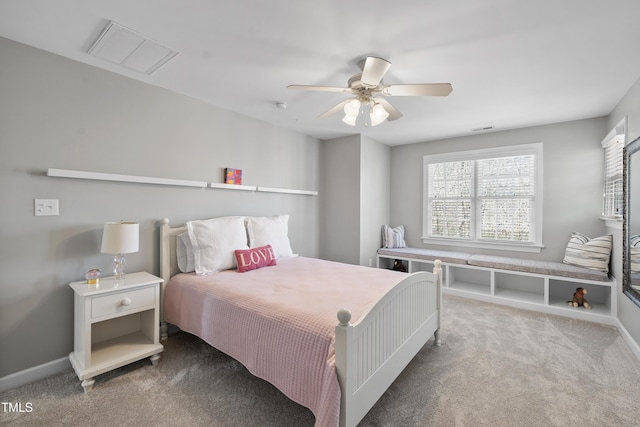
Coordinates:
450 198
506 193
491 196
612 194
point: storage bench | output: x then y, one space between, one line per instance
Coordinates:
544 286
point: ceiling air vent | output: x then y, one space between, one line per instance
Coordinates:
125 47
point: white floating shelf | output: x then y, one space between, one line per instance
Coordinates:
99 176
232 186
288 191
65 173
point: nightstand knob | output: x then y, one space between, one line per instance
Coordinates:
125 301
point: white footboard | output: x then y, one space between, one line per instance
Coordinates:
373 352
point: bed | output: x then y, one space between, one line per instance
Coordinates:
336 354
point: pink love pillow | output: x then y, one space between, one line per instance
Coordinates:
251 259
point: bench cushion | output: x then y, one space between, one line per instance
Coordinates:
427 255
548 268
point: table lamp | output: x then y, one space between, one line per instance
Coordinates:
119 238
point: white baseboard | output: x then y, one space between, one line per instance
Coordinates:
34 374
633 345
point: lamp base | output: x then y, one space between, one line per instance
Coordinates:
119 262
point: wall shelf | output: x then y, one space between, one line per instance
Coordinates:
232 186
65 173
287 191
99 176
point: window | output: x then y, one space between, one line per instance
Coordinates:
485 198
613 146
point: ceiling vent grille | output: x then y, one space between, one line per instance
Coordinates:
123 46
482 129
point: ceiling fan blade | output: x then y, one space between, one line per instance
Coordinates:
427 89
394 114
319 88
374 70
334 109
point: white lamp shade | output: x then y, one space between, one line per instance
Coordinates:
120 237
350 120
352 108
378 114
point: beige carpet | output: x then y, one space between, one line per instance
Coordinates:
498 366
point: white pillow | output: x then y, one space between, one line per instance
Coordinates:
583 251
214 242
184 253
393 237
272 231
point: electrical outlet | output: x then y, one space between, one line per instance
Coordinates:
43 207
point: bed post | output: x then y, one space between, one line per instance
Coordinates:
165 271
437 270
344 359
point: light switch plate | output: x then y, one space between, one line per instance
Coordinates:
43 207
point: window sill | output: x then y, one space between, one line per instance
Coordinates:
484 245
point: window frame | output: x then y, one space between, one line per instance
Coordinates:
613 142
535 148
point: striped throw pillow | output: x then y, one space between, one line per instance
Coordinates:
393 237
634 247
590 253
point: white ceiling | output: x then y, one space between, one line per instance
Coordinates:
512 63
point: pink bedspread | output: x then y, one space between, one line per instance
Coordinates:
280 321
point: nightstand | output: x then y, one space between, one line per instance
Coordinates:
115 323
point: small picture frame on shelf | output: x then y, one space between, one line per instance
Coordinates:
232 176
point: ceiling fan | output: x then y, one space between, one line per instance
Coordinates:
369 91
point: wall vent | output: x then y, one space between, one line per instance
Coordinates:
123 46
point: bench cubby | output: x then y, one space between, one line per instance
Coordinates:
469 279
519 287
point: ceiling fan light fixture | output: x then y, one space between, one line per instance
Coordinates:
352 108
350 120
377 114
367 87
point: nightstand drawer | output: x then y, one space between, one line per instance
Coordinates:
122 302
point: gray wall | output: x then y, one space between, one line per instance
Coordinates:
573 171
629 107
375 187
340 208
57 113
355 198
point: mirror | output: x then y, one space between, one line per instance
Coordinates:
631 224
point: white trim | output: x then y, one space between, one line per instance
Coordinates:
535 148
513 247
615 223
65 173
615 134
633 345
614 140
33 374
484 153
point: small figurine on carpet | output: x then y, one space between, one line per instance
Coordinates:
579 300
